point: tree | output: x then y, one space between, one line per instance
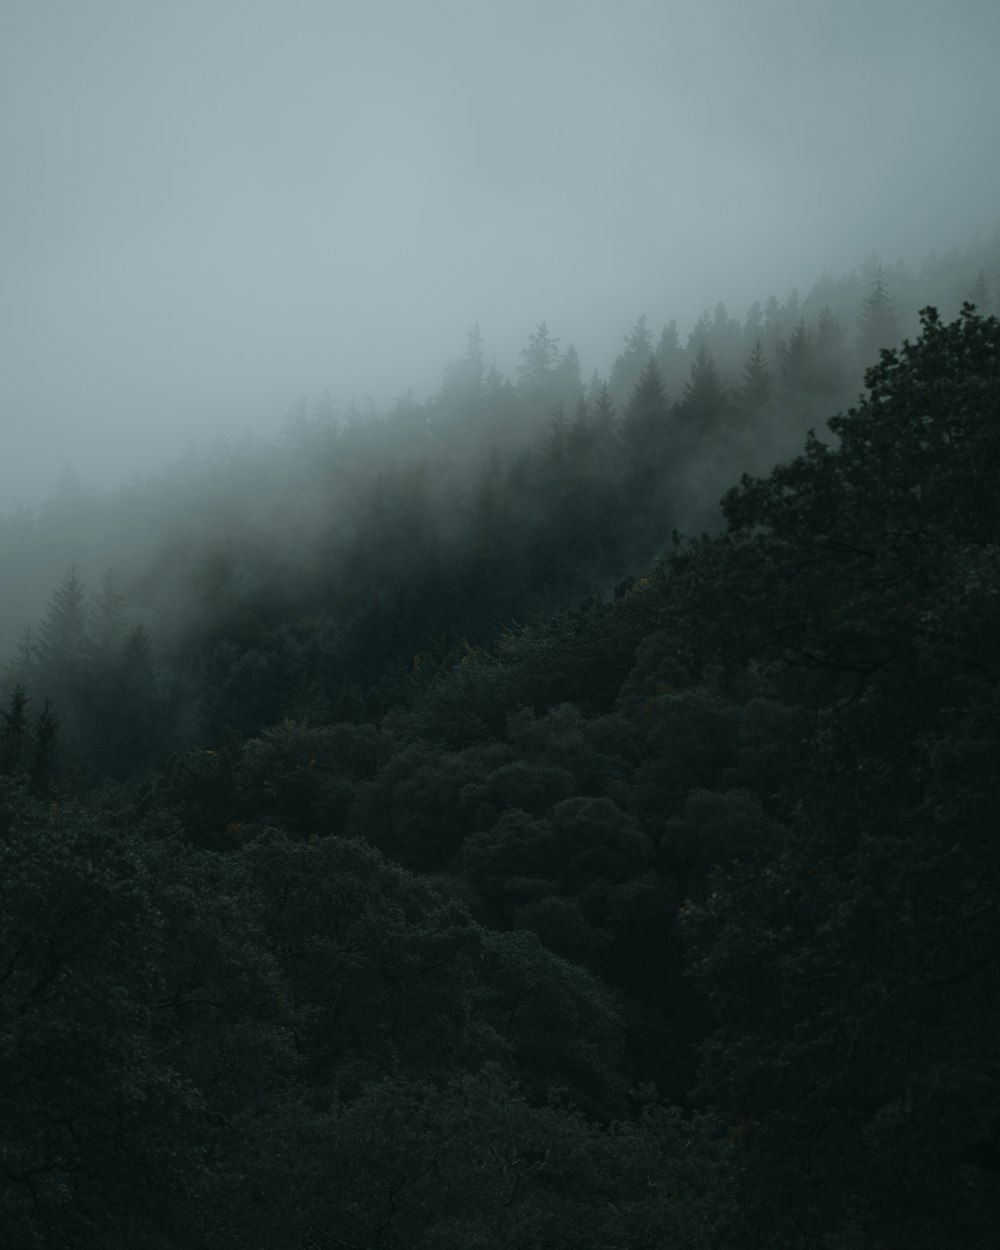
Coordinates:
671 357
62 637
853 961
99 1138
538 359
756 387
795 358
462 390
628 366
878 327
567 380
829 357
705 399
648 431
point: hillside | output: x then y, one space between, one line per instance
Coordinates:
434 849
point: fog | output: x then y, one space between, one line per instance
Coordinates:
210 207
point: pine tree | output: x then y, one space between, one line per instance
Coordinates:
580 436
628 366
878 327
567 382
671 357
756 386
705 399
602 418
646 425
464 379
556 441
828 371
62 638
795 358
538 359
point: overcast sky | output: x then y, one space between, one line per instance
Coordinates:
209 207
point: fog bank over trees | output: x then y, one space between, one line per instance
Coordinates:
499 626
209 210
406 847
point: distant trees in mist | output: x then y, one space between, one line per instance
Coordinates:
549 813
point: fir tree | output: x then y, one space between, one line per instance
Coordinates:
756 386
795 358
62 638
628 366
538 359
829 356
705 399
646 425
671 357
878 327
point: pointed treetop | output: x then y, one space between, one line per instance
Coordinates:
877 325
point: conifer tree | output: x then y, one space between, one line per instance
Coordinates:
628 366
602 417
756 386
580 434
567 383
646 426
538 359
62 638
795 357
464 379
671 357
705 400
828 371
878 327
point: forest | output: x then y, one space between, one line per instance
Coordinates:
551 814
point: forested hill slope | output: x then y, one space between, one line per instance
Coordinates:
661 917
493 498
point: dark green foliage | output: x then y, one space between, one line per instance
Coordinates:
100 1136
303 776
854 966
731 827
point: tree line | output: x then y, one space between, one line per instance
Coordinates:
493 868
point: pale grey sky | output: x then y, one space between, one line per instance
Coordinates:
208 207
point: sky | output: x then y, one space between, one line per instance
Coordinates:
211 207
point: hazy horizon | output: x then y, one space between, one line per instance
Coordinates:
210 209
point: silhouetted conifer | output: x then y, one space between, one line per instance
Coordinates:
878 327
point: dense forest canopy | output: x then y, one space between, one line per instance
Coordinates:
410 838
